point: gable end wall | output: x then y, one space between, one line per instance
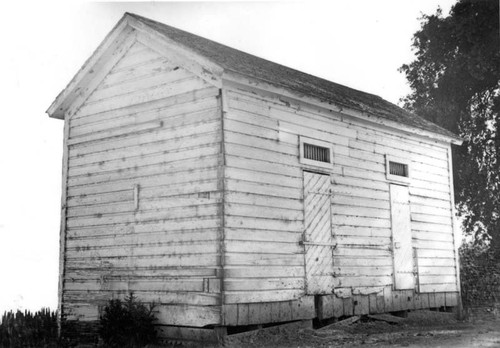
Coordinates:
143 198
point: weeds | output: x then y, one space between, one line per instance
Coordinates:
127 323
27 329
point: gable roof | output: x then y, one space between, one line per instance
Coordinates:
235 61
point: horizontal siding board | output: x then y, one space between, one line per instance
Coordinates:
127 87
275 213
198 247
428 202
363 192
181 100
189 284
145 68
440 287
353 261
252 284
359 231
126 152
233 197
137 54
261 143
145 239
147 296
143 96
262 189
118 176
263 224
354 202
176 127
432 237
264 272
189 315
245 234
363 281
93 152
361 211
158 215
245 246
184 260
151 187
347 220
263 259
294 183
249 129
257 296
164 111
107 168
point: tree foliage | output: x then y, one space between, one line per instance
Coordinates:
455 83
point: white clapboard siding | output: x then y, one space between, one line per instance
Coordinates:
169 237
150 108
164 111
103 162
125 74
262 150
170 181
144 196
157 297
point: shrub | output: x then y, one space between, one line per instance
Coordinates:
127 323
27 329
480 275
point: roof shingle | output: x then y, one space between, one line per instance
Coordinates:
296 81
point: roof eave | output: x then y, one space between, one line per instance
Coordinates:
59 106
252 82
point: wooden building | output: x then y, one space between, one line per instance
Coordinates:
234 191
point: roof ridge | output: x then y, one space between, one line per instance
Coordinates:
300 84
145 19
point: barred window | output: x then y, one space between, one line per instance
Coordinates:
399 169
316 153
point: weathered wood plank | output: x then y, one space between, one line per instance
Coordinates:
438 287
187 334
162 105
128 87
184 260
261 259
188 315
102 296
170 114
143 96
145 68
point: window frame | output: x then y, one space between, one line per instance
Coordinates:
404 180
315 142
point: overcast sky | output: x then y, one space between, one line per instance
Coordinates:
358 43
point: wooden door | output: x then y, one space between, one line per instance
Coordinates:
401 238
318 239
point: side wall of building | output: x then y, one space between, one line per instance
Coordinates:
143 193
264 207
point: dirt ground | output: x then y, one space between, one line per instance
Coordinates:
419 329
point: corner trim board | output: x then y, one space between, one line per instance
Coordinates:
62 230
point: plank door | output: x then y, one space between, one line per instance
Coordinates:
401 238
318 239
